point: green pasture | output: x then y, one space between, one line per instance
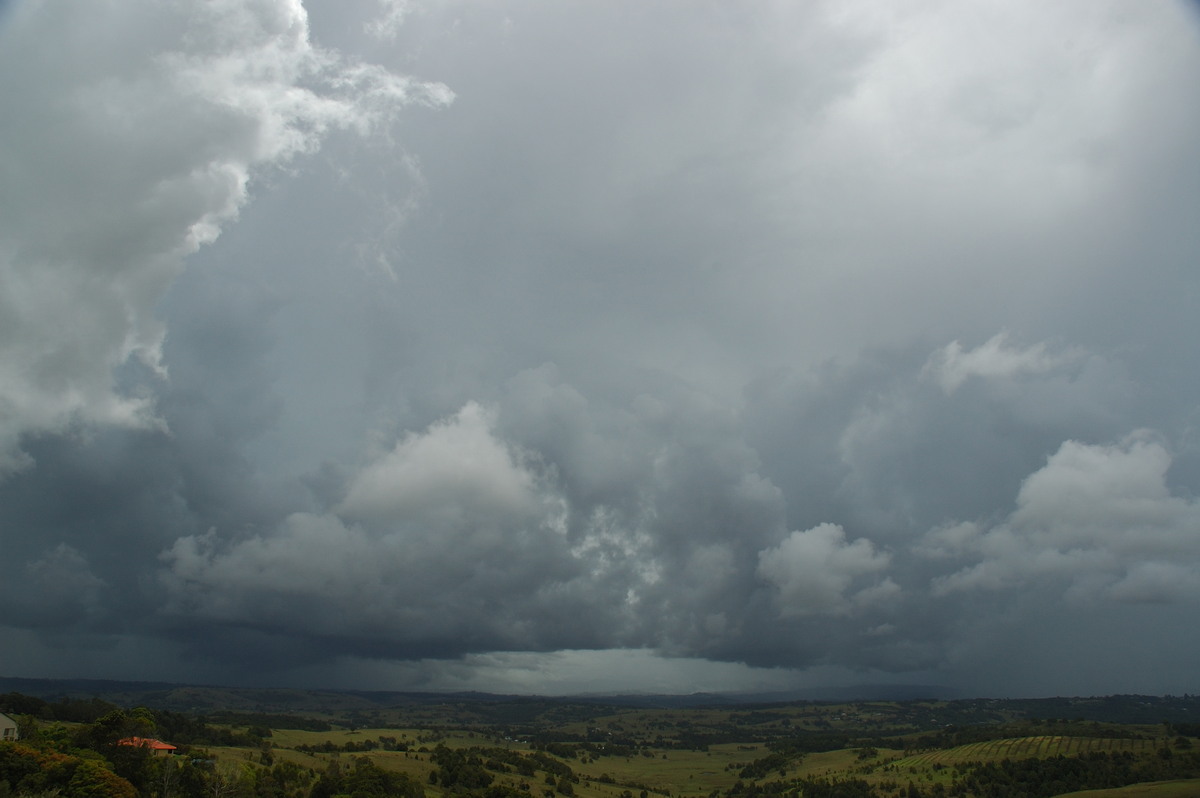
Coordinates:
414 765
826 763
694 773
414 762
1185 788
414 738
671 724
681 772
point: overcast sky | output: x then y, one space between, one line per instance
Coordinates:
534 346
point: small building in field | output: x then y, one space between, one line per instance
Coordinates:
8 728
156 747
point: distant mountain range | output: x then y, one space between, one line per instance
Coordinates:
201 698
357 706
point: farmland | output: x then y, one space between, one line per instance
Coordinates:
722 769
505 747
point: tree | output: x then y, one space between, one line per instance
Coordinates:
164 777
226 781
93 780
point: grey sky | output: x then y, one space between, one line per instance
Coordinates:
547 347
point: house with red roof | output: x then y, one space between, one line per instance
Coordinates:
157 747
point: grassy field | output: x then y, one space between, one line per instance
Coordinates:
696 753
690 773
414 738
1186 788
681 772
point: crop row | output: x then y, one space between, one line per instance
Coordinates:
1026 748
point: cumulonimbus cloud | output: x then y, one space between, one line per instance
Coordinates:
457 541
136 144
447 540
745 235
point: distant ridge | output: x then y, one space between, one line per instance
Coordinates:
354 706
65 686
883 692
172 695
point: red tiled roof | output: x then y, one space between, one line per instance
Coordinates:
147 742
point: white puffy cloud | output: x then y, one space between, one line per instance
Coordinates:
909 449
1115 495
994 359
949 541
446 535
1158 581
135 143
812 570
1098 520
390 19
458 469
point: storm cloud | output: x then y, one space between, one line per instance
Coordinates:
541 347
